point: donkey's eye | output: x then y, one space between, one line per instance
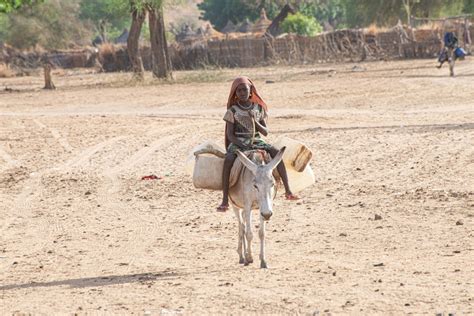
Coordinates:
255 186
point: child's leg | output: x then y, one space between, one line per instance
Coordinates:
228 163
282 171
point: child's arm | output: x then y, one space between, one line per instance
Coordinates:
261 125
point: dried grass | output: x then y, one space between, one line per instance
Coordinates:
373 29
430 26
6 72
106 51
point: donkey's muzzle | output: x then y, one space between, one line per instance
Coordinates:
266 216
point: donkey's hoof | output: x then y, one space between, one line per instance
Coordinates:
241 261
246 263
263 265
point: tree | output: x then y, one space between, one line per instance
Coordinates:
52 24
159 47
365 12
219 12
116 13
160 57
133 41
7 6
301 24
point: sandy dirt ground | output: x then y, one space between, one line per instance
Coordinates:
82 233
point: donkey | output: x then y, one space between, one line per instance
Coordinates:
255 189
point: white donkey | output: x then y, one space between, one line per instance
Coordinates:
254 189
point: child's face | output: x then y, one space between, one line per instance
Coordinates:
243 92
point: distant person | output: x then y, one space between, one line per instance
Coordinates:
450 43
450 52
246 119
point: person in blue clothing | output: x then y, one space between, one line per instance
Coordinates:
450 44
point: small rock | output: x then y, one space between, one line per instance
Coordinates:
407 304
269 81
377 217
459 222
88 193
379 264
343 234
334 273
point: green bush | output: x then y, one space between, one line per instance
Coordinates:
301 24
52 24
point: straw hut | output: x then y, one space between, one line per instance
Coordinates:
229 27
245 27
262 23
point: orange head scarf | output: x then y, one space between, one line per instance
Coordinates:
254 97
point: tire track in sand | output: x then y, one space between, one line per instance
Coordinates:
137 227
23 203
57 135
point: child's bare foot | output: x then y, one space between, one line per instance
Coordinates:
223 207
291 197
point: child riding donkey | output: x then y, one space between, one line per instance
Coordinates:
245 121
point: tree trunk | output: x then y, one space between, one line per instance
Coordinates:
48 81
133 46
406 4
159 47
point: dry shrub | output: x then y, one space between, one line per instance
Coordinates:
106 51
373 29
429 26
5 71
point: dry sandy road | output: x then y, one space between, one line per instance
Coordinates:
81 233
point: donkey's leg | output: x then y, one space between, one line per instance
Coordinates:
248 234
261 234
238 214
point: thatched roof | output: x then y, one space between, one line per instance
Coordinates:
229 27
262 23
207 31
245 27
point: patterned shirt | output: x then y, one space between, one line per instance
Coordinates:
243 125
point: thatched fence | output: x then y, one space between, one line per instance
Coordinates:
341 45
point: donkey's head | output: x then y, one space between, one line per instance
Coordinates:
263 182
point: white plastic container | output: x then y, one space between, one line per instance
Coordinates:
206 168
208 172
296 155
191 159
296 159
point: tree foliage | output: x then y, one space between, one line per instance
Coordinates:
52 24
338 13
301 24
364 12
114 12
7 6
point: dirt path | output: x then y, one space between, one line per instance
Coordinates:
81 233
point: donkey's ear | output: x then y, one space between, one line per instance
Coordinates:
276 160
247 162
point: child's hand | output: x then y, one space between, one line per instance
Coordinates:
253 115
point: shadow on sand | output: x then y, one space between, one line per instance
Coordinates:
97 281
